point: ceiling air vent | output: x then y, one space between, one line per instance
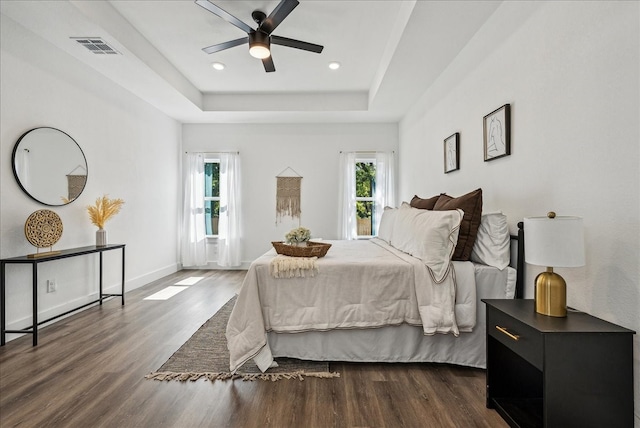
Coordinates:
96 45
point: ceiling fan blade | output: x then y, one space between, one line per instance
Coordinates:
268 64
278 14
292 43
226 45
216 10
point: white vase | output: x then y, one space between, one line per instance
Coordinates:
301 244
101 238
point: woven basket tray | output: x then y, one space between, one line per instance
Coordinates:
313 249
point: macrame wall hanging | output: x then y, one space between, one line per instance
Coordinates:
288 195
76 182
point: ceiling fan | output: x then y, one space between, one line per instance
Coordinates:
260 39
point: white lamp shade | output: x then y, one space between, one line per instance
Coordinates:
554 242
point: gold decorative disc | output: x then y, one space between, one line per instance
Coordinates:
43 228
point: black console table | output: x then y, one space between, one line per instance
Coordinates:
557 372
34 262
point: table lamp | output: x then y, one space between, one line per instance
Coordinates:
553 242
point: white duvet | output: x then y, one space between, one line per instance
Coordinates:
359 284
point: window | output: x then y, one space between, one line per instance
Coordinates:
366 187
365 197
211 196
211 208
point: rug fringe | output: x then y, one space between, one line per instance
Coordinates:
191 376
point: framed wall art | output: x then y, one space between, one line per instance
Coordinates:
452 153
497 133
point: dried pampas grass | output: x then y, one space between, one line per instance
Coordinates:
103 210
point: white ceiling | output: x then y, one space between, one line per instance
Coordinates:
390 52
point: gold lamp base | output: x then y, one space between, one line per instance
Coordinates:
551 294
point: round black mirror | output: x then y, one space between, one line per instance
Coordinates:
49 166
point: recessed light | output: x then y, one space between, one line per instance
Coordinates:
218 65
334 65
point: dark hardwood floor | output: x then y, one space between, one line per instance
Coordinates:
88 371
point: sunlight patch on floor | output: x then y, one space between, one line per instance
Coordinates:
190 281
166 293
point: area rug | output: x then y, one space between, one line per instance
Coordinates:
205 356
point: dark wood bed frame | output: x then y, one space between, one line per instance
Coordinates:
520 277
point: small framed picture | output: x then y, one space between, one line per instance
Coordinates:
452 153
497 133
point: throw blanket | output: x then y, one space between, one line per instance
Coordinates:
361 284
292 267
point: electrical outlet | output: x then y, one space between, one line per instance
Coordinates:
51 285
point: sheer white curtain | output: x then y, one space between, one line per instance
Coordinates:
194 245
347 194
385 185
229 224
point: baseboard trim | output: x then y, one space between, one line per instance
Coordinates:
139 281
215 266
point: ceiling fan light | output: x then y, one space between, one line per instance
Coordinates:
259 51
259 44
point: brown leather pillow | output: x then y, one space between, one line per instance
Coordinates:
471 204
424 204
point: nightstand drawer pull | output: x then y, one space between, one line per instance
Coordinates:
505 331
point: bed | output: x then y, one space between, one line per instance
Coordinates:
400 297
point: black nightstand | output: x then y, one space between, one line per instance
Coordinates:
557 372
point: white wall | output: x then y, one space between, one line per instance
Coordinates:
312 150
570 71
132 152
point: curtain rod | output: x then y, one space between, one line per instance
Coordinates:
365 151
213 153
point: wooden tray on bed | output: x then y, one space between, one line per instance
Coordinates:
313 249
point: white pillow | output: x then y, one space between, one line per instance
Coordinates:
401 232
493 243
387 221
430 236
